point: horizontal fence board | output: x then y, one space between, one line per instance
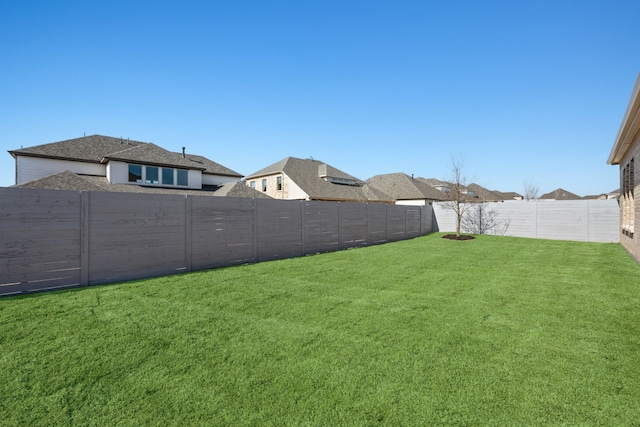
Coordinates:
376 223
353 225
321 226
64 272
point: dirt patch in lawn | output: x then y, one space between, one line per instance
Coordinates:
460 237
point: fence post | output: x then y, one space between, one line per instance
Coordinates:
302 224
85 209
340 246
255 229
188 232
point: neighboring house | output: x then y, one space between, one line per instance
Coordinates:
482 194
437 184
509 195
308 179
624 152
560 194
405 189
104 163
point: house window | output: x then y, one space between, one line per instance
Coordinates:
627 199
253 184
155 175
279 183
135 173
152 175
183 177
264 184
167 176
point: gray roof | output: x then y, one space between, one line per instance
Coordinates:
65 180
401 186
483 194
100 149
312 177
239 189
70 181
509 195
88 148
560 194
153 155
212 167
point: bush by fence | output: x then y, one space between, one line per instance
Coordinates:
53 239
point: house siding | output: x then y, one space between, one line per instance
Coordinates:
631 242
209 179
117 172
421 202
290 190
31 168
195 179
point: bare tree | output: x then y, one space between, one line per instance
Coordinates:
530 190
458 197
482 219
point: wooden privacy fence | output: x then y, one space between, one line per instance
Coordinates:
51 239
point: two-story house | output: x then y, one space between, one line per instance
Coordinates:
105 163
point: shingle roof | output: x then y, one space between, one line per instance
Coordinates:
212 167
484 194
62 181
560 194
401 186
508 195
239 189
99 148
152 154
87 148
69 181
309 175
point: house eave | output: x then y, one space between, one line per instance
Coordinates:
106 160
629 128
16 153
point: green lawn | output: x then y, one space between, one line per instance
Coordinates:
494 331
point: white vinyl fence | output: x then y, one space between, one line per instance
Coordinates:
579 220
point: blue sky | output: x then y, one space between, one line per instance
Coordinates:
523 91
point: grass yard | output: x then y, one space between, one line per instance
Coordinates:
494 331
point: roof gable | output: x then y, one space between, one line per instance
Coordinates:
152 154
560 194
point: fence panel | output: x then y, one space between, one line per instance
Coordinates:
520 215
413 221
279 229
222 231
565 220
40 240
396 222
376 224
135 235
353 225
321 226
604 221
